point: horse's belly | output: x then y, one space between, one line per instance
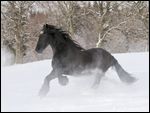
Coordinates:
78 72
72 72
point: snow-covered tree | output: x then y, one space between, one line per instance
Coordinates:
15 14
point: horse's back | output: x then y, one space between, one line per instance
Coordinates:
98 52
101 58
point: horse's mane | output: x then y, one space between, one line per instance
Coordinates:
66 37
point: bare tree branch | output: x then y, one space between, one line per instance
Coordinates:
110 29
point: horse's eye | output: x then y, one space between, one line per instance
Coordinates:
41 32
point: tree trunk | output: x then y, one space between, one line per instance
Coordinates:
19 55
71 29
100 35
19 43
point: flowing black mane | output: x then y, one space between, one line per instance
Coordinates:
70 40
64 36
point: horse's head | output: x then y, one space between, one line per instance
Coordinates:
45 38
50 35
56 37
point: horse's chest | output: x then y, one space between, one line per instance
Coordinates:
62 63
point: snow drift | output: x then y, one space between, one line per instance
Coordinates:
21 83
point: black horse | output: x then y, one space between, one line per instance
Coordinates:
69 58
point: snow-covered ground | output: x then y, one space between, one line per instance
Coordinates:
21 83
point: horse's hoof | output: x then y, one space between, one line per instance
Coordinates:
63 81
43 92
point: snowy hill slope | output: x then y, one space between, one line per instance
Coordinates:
21 83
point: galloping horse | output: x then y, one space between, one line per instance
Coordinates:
69 58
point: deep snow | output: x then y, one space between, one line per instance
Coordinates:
21 83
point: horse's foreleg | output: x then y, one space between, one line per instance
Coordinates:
97 80
63 80
45 87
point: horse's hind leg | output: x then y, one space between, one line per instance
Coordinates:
45 87
98 78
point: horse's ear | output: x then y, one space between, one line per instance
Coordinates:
45 26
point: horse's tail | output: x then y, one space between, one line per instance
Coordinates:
123 75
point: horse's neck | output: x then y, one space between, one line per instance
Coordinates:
58 48
65 49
